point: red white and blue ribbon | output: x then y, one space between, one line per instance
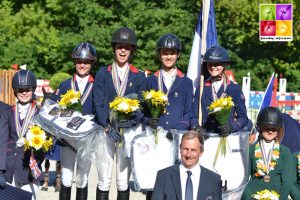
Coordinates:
85 94
22 129
120 86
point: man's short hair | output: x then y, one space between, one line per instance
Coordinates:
191 135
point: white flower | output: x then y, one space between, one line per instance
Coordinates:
134 108
123 106
149 96
217 109
74 100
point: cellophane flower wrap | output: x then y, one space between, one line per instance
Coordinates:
71 101
221 109
266 195
123 109
156 102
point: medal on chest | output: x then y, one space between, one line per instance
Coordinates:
22 129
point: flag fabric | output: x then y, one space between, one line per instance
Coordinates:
36 172
267 99
204 38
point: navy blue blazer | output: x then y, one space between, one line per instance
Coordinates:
104 90
87 107
13 159
180 97
234 90
168 187
3 107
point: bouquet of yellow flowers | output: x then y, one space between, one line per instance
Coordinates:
266 195
123 109
156 102
71 101
37 140
221 109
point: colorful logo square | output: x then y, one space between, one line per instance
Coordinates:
283 12
268 28
275 22
283 27
267 12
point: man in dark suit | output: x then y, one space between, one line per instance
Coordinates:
188 180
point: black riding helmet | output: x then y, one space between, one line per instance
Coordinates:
124 35
168 41
216 54
269 117
84 51
24 79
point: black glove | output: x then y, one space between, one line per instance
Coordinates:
153 122
225 129
126 123
138 116
114 135
169 135
2 180
201 131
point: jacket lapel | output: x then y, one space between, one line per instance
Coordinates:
202 186
176 181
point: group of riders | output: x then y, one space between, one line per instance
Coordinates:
121 78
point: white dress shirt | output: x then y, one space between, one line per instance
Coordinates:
169 78
81 82
268 147
23 110
121 71
217 85
196 171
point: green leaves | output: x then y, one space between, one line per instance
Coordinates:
42 34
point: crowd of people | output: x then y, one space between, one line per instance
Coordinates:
277 170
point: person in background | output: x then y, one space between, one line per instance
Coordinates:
188 180
14 124
216 59
117 79
84 56
270 163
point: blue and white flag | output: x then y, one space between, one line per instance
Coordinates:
268 94
205 37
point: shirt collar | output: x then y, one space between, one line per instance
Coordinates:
82 80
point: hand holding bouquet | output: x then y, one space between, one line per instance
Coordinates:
123 109
156 102
38 143
71 101
221 109
266 195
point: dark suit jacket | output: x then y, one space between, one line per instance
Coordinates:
168 186
180 99
104 90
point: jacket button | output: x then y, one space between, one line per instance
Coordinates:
168 113
167 122
15 154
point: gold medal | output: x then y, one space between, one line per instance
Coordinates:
267 178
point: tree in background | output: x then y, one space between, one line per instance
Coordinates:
42 34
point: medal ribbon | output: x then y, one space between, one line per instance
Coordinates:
214 92
160 82
120 86
85 94
21 129
264 157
